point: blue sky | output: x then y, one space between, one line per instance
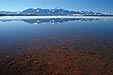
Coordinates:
94 5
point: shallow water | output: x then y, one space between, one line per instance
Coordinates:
56 47
23 34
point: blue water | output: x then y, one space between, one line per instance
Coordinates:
29 32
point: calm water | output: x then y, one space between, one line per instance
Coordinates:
23 34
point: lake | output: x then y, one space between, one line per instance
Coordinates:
78 41
48 30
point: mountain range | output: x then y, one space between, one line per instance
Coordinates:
49 12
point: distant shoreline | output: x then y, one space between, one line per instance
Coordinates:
55 17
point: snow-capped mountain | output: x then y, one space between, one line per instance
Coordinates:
56 11
50 12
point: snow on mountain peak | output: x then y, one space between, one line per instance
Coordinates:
34 8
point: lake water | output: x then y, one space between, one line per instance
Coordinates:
70 46
23 34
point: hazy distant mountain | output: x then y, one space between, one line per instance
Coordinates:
7 12
50 12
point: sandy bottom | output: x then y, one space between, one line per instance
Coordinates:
68 57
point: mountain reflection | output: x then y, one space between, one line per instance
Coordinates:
52 21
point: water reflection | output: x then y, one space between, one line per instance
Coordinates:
22 34
53 21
